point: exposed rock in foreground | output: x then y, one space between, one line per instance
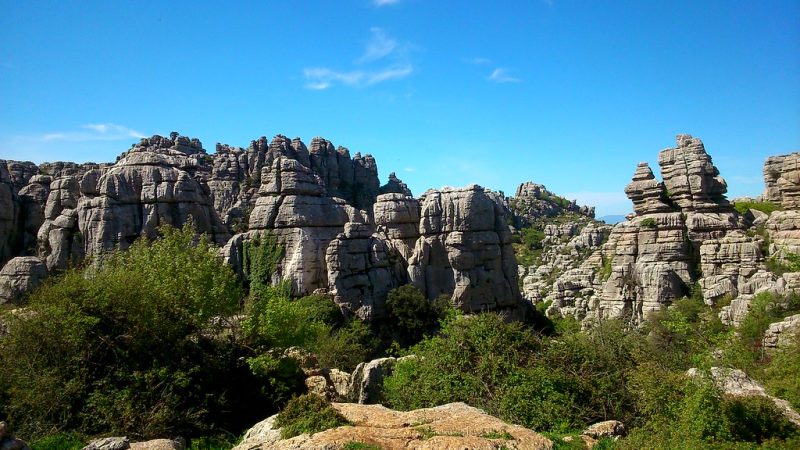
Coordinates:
447 427
736 383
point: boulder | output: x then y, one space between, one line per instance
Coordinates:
159 444
20 276
778 333
109 443
605 429
446 427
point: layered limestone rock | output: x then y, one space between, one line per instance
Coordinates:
33 200
59 237
362 269
9 216
647 194
396 217
19 276
779 334
292 206
464 250
782 180
733 266
354 180
450 426
395 186
152 184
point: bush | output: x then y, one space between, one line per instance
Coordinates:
346 347
765 207
60 441
130 347
411 315
308 413
648 222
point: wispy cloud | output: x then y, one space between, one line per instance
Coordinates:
409 169
501 75
477 60
88 133
384 2
380 47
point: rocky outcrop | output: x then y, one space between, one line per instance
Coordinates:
395 186
396 217
362 269
293 207
780 333
451 426
19 276
736 383
464 250
59 237
533 202
9 216
647 194
354 180
366 381
782 180
33 200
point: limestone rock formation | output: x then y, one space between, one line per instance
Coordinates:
33 199
292 205
779 333
19 276
366 381
60 240
533 202
9 215
395 186
396 217
464 250
446 427
354 180
362 269
647 194
782 180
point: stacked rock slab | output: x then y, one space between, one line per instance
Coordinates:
20 275
782 179
362 269
292 206
153 184
33 199
354 180
60 241
396 218
464 250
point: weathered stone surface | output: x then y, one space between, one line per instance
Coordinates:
464 250
159 444
605 429
396 217
692 180
109 443
362 269
9 216
728 264
152 184
454 426
395 186
292 206
33 200
19 276
736 383
354 180
60 241
366 381
782 180
779 333
647 194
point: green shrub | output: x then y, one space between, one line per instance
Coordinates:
780 376
359 446
765 207
648 222
129 346
346 347
411 316
261 256
308 413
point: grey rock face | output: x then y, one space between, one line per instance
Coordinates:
33 199
464 250
20 275
533 201
395 186
362 269
397 219
779 333
292 205
782 180
9 216
109 443
60 240
354 180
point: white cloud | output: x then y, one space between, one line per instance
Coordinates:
378 47
500 75
409 169
88 133
384 2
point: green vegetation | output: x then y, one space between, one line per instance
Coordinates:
261 257
765 207
648 222
571 379
783 262
308 413
605 269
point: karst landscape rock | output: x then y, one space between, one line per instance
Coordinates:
345 235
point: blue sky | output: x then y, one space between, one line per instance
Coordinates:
571 94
